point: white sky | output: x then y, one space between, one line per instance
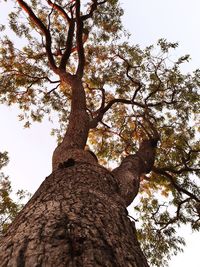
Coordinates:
30 151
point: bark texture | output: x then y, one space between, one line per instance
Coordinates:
76 135
76 218
132 168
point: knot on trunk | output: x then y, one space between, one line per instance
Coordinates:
63 158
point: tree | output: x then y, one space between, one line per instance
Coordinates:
122 102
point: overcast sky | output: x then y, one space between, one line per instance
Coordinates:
30 151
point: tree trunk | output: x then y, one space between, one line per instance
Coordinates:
76 218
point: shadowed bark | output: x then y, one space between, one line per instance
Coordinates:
76 218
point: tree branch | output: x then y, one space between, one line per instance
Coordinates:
99 117
132 167
44 30
60 10
37 78
69 44
134 82
69 41
175 184
52 90
180 171
79 41
92 9
165 224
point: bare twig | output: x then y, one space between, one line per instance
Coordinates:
52 90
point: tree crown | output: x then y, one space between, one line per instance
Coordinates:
131 94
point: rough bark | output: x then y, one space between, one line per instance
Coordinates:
133 167
76 218
78 127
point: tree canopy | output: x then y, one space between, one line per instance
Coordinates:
131 94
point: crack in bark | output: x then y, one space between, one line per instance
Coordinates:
21 254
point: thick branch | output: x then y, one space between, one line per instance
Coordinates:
59 9
79 41
132 167
69 41
69 44
43 29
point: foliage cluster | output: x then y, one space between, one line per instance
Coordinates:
9 208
